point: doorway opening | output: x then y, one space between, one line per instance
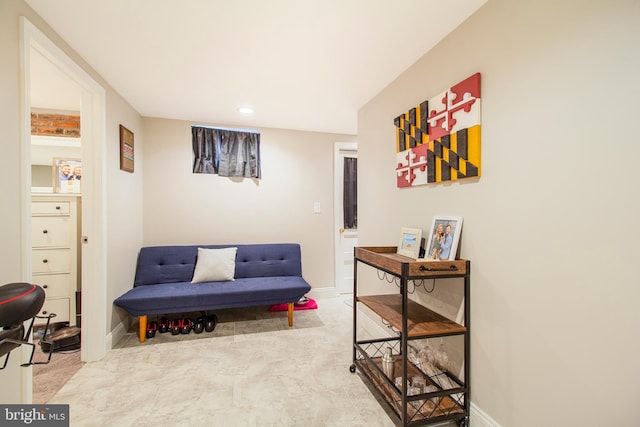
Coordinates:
93 247
346 213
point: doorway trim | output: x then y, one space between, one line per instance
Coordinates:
339 147
93 117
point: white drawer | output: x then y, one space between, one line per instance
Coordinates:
55 285
50 232
51 261
59 306
50 208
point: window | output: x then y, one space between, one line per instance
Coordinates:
226 152
350 193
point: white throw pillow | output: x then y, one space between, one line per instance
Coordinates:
215 265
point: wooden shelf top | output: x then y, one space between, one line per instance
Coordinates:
421 322
386 258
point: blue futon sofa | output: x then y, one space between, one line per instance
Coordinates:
265 274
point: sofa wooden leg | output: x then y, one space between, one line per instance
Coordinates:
290 313
142 333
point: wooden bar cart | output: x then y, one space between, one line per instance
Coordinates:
444 396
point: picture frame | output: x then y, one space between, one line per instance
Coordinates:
126 149
443 238
67 175
410 240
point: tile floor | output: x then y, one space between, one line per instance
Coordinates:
253 370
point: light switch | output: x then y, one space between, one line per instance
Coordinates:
316 207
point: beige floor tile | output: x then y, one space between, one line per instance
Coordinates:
253 370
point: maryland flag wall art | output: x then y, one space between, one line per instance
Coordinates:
439 140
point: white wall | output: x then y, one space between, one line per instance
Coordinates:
297 170
549 227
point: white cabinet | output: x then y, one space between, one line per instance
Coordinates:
55 254
50 231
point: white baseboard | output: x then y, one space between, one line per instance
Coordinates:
328 292
115 335
477 417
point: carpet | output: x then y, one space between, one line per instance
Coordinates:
49 378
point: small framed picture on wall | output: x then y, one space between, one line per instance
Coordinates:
443 238
126 149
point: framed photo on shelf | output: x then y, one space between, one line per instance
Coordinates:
443 238
67 175
410 239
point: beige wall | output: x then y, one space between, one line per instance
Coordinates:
549 227
553 302
297 170
124 226
124 191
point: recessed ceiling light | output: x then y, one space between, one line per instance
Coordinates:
246 110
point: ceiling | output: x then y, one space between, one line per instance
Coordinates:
300 64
